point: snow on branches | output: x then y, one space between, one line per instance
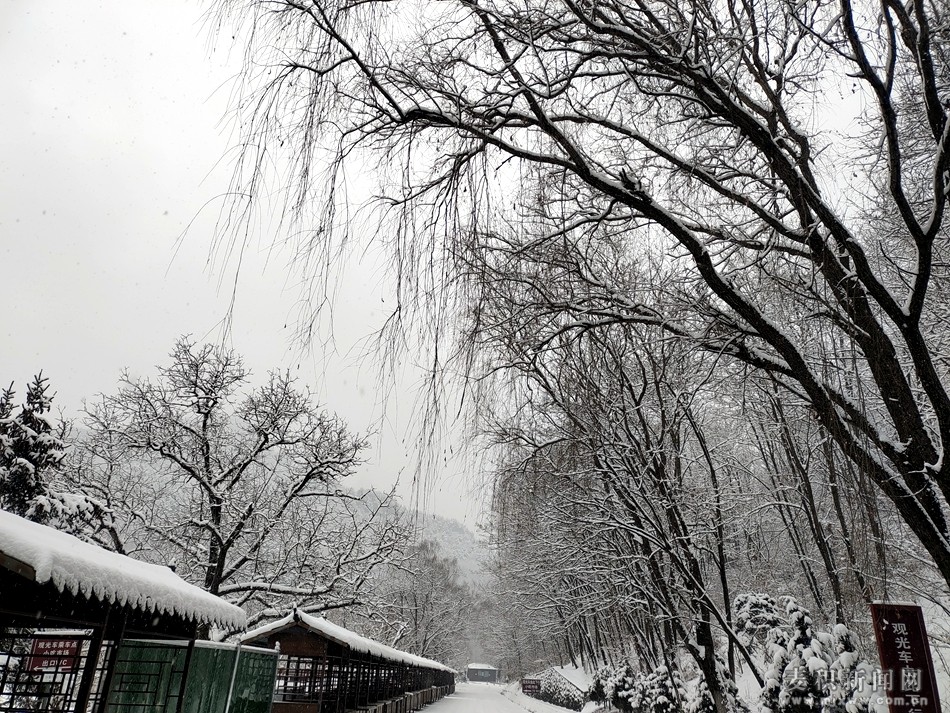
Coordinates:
239 487
32 448
813 671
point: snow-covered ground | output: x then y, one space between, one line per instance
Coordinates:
489 698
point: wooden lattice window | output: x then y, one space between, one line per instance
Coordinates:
300 678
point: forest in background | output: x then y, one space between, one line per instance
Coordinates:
241 488
686 265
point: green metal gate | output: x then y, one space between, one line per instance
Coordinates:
191 677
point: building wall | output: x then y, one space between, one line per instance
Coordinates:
483 675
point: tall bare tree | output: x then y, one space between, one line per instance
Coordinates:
707 143
423 606
624 476
240 489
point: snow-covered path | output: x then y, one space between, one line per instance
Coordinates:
475 698
486 698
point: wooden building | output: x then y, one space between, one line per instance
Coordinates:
481 673
326 668
66 606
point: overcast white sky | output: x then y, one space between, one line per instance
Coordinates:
112 143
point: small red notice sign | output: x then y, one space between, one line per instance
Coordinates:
531 686
907 671
60 655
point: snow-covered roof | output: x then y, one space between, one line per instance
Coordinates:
344 637
578 677
82 568
482 666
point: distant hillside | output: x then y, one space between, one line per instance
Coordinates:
458 541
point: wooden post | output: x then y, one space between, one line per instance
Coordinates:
114 631
89 672
184 676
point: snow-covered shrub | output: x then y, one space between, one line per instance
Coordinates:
792 683
597 691
558 691
660 691
811 671
755 615
622 687
850 690
614 686
702 699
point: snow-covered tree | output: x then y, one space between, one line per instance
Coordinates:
701 701
661 691
811 670
702 145
422 606
612 504
756 614
239 488
32 447
598 690
578 186
621 687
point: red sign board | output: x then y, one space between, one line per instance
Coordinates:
907 670
60 655
531 686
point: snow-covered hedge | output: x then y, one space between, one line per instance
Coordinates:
660 691
806 671
558 691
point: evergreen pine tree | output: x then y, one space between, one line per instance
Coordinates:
598 692
756 614
805 675
661 691
702 701
30 448
621 688
850 676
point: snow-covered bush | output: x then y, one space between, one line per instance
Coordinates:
796 656
811 671
702 700
614 686
620 687
755 615
558 691
597 691
660 691
851 677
